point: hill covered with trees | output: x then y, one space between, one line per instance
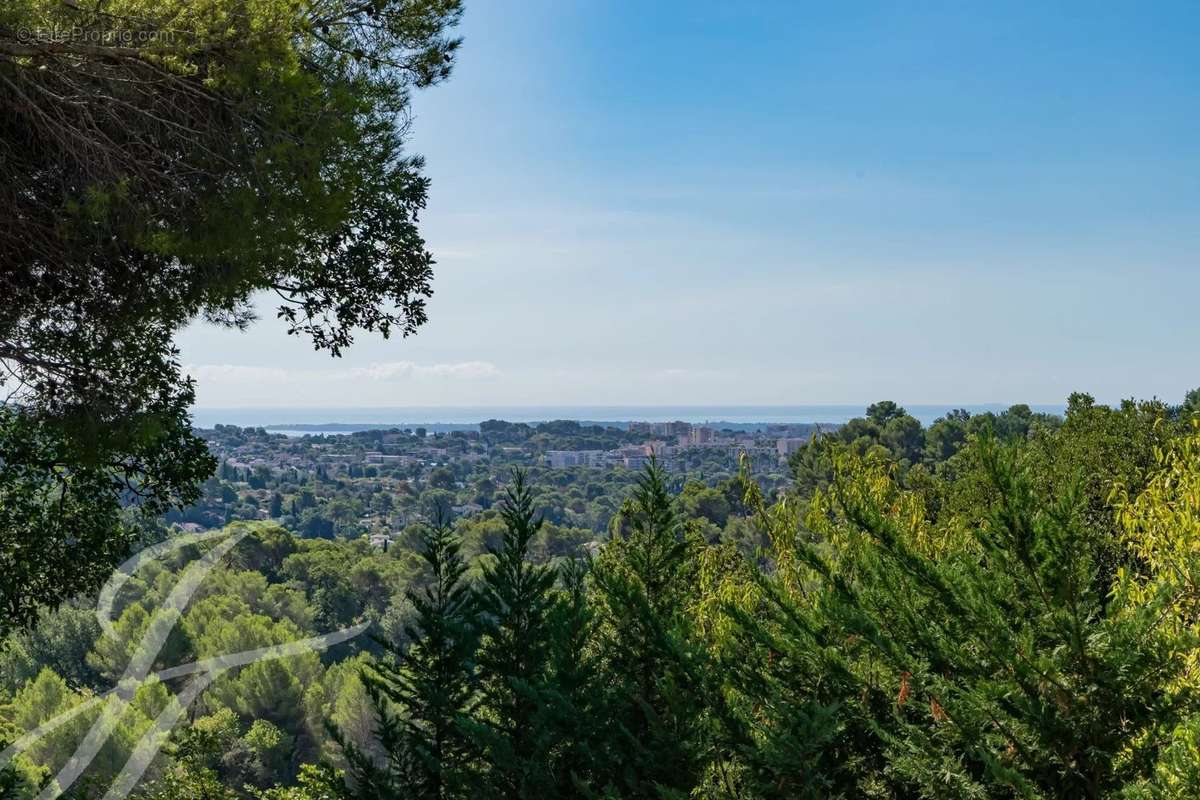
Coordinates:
989 607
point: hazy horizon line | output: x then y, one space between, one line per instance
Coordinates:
864 404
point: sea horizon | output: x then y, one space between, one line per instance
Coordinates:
347 419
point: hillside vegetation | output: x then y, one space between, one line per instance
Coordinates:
996 608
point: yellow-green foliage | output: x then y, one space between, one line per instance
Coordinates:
870 482
1161 525
724 581
271 710
47 696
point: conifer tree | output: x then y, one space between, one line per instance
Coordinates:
1011 673
515 602
798 722
576 711
424 692
641 583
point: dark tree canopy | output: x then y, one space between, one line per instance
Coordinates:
167 160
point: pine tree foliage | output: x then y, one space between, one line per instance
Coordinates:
981 630
423 693
792 725
515 602
575 711
1011 676
145 156
641 585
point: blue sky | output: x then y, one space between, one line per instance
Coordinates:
717 202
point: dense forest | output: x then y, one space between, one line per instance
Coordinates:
993 606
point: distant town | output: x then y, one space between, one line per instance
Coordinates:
671 443
374 483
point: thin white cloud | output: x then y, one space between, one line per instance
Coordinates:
466 369
401 370
388 371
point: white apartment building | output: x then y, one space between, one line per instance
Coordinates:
561 459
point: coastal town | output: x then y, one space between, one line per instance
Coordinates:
376 482
676 446
672 442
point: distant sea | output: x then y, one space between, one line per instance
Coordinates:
300 421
